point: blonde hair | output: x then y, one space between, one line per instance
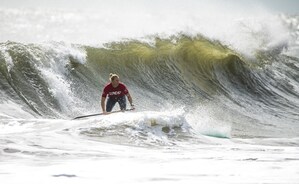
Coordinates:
112 76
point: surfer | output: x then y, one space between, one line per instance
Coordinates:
116 92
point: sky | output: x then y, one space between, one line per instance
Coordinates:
285 6
281 6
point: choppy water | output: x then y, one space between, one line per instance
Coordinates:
210 107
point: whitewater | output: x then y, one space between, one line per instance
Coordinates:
215 87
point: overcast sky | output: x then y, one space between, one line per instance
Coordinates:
285 6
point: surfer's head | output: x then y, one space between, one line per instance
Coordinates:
114 78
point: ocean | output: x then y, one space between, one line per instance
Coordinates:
215 88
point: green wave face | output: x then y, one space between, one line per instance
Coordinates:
167 64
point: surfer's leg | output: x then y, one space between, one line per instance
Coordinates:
122 103
110 104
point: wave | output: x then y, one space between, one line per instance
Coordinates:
217 86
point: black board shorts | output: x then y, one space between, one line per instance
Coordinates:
112 101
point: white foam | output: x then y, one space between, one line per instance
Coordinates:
56 68
143 127
9 109
7 58
146 119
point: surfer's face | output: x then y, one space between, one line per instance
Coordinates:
115 82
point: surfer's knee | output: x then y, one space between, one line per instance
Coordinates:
122 103
110 104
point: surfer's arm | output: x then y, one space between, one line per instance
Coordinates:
103 104
130 100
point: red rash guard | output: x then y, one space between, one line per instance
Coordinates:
112 92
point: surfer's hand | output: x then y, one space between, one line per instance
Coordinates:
132 106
